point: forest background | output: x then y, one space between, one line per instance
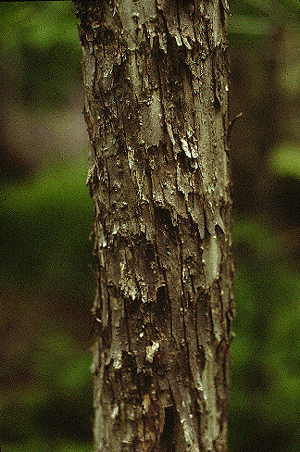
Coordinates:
47 279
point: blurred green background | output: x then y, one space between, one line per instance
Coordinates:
47 281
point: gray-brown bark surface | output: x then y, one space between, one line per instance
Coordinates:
155 75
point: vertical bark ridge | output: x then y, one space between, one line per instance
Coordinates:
155 75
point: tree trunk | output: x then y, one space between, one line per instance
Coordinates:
156 87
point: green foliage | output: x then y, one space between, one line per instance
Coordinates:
47 282
41 41
38 24
265 374
285 160
46 384
52 219
42 446
259 18
265 391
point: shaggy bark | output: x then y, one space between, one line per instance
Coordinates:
155 75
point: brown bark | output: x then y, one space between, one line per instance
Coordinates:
155 75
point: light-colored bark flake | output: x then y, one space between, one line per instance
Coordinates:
156 99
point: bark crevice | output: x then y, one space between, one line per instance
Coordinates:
156 84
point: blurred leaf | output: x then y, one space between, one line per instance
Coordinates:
285 160
262 17
42 445
266 351
37 23
75 447
40 50
251 231
49 219
54 186
74 373
249 25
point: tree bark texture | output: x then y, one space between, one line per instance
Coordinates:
156 97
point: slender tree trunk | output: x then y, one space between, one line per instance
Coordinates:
155 75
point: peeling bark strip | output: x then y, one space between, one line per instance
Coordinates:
155 75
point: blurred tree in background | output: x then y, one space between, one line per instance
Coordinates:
265 74
47 283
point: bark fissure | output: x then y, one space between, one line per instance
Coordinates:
155 74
